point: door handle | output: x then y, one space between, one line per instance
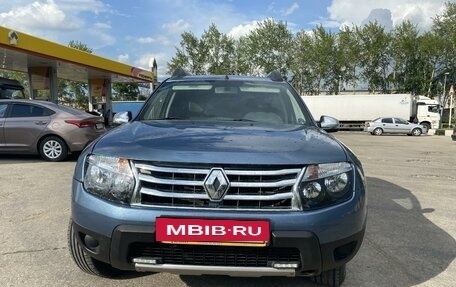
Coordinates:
40 123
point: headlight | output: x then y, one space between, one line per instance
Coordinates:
109 178
325 184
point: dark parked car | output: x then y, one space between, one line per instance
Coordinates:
222 175
46 128
392 125
11 89
453 136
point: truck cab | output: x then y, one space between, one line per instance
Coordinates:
428 112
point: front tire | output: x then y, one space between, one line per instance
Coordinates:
53 148
426 126
377 132
87 263
333 277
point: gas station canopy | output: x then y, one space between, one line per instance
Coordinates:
21 52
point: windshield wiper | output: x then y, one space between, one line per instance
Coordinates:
169 118
242 120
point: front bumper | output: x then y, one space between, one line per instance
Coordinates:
297 253
313 241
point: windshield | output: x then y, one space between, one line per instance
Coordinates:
229 100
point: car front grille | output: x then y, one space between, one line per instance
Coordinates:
208 255
251 188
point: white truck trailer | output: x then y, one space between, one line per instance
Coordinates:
354 110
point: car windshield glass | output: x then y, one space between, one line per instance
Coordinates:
232 100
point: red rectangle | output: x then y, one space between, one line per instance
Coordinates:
193 230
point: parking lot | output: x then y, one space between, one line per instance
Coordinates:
410 238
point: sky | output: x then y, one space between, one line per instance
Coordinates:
133 32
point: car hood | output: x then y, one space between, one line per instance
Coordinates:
220 143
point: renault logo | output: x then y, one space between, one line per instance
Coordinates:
216 184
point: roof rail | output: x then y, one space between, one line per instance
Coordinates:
179 72
275 76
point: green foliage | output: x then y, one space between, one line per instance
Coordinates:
125 92
375 56
444 30
403 60
80 46
268 47
72 92
407 60
212 54
219 51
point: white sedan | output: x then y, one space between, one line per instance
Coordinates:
380 126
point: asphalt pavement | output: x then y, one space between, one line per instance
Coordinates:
410 237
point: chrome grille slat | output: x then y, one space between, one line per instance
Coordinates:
204 196
250 188
155 192
264 184
262 172
170 169
152 179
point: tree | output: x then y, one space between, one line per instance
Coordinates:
126 91
73 91
325 60
80 46
444 28
213 53
375 56
219 51
243 62
430 53
300 65
348 51
403 60
268 47
406 59
191 56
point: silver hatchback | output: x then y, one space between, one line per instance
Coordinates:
380 126
52 130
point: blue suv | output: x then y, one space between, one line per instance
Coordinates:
224 175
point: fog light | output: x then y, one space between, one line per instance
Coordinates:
147 260
285 265
311 190
90 242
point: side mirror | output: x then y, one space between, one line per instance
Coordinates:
121 118
329 124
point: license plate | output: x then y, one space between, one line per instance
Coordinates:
99 126
212 231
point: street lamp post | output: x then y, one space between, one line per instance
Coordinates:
338 85
451 93
442 102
